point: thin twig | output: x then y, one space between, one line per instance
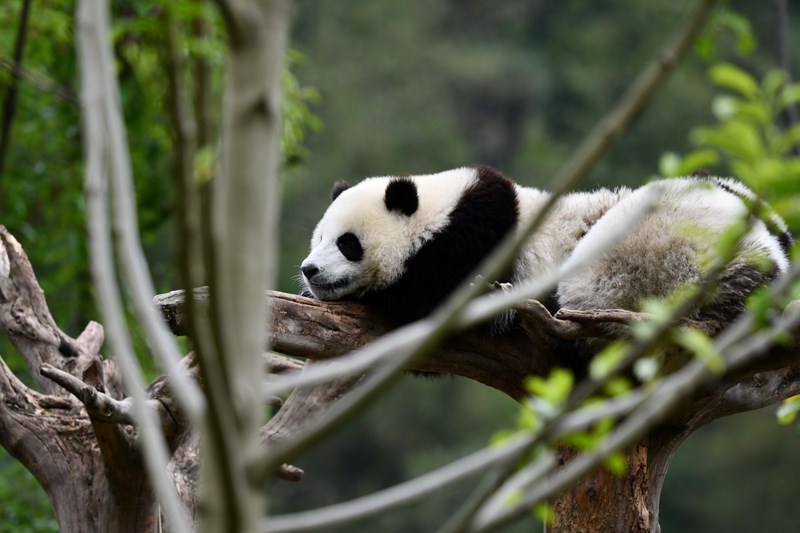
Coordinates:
780 37
132 260
10 102
40 81
101 117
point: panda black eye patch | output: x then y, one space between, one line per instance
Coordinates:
350 247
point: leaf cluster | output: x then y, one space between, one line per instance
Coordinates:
748 140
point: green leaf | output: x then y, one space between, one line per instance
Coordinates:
704 46
702 346
728 240
787 412
617 386
697 160
741 27
660 308
773 81
528 417
555 389
204 161
733 78
739 139
724 106
669 164
759 304
787 140
757 112
616 463
544 512
789 96
607 361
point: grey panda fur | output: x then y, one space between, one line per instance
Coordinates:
402 244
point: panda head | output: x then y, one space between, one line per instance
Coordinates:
371 230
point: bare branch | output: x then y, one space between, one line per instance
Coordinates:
402 494
10 103
280 364
129 248
242 19
91 338
243 233
39 81
99 406
104 136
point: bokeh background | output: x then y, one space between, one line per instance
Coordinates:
390 87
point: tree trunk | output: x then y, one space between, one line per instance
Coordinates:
604 502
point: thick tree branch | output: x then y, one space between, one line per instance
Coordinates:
243 235
320 330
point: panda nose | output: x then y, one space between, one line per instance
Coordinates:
309 271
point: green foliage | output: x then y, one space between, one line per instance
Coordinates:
41 191
298 119
548 395
513 83
607 361
701 346
726 22
747 140
24 506
545 513
787 412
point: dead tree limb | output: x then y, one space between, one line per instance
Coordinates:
91 470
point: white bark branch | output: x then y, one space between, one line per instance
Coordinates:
101 118
245 214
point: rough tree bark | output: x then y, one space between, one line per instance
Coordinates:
76 436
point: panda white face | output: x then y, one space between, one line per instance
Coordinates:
359 243
371 229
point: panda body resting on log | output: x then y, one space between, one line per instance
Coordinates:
401 245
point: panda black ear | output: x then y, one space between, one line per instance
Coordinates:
338 188
401 195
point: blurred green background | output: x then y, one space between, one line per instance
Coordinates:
387 87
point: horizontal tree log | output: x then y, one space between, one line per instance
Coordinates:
318 330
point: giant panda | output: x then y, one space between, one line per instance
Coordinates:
402 244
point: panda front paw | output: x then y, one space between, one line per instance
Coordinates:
501 286
493 286
307 293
